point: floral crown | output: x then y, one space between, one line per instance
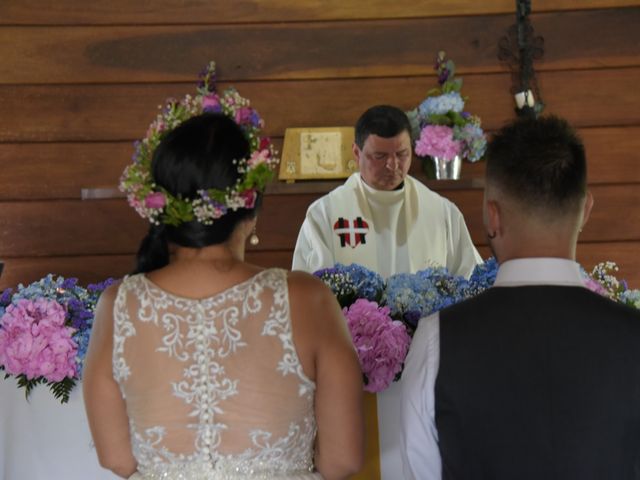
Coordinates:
156 204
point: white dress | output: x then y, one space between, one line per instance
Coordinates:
214 388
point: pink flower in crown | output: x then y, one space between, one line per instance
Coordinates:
155 200
258 157
249 197
34 340
211 103
244 115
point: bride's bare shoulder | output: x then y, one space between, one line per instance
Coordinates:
306 285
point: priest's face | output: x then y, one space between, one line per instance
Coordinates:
384 162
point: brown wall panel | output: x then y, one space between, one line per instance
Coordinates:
94 268
64 227
59 170
66 12
62 170
613 156
116 54
123 112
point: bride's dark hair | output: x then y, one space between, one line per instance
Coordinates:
197 155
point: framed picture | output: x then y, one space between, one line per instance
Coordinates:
317 153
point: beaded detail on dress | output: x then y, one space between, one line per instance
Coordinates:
214 387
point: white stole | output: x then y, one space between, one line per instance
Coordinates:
425 220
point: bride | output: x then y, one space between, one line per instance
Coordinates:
202 366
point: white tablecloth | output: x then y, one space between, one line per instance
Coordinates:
41 439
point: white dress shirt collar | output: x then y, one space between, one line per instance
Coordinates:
539 271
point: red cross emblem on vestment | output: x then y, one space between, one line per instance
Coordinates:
351 233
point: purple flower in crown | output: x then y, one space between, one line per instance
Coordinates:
244 115
155 200
256 121
211 103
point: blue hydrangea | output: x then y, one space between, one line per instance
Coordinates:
414 296
351 282
631 298
441 104
482 277
474 143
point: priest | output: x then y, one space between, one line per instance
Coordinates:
389 222
381 217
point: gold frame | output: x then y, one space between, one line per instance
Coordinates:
317 159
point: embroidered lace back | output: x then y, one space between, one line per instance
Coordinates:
214 387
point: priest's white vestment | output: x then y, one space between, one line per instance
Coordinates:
399 231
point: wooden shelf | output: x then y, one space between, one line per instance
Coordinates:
304 187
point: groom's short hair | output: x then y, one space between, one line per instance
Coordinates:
384 121
540 163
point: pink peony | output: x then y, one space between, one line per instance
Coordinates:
34 340
381 343
155 200
437 141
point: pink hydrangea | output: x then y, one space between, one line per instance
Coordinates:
437 141
34 340
155 200
381 343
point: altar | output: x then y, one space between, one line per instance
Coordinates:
41 439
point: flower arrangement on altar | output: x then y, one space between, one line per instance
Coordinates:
440 125
44 332
602 280
45 326
382 316
157 205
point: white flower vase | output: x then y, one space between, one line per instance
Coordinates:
447 169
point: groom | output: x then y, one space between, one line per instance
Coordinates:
538 377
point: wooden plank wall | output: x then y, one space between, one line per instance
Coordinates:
79 81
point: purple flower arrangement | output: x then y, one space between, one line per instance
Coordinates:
44 332
440 125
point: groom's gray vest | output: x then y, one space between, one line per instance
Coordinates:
539 383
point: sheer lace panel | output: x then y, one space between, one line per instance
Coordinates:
213 385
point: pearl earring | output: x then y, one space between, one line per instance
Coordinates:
253 238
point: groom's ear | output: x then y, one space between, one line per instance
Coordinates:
494 218
588 205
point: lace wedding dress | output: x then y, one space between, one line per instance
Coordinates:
214 387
